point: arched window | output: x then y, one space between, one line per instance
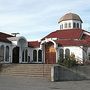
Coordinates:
65 25
67 53
26 55
74 25
69 25
35 55
40 56
28 59
61 54
23 56
1 53
77 25
7 53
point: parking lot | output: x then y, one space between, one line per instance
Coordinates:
27 83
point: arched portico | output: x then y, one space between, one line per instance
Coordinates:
19 46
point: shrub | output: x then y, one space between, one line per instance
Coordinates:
60 61
68 62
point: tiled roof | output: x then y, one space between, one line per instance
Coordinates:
34 44
66 34
70 16
72 42
86 37
71 37
4 36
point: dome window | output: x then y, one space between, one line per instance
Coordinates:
69 25
74 25
77 25
65 25
62 26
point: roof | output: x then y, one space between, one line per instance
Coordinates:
70 37
66 34
70 16
34 44
72 42
4 36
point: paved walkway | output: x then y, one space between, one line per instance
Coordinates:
22 83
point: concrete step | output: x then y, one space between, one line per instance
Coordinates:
31 70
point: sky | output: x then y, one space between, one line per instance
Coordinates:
34 19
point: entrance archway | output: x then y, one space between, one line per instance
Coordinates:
15 55
50 53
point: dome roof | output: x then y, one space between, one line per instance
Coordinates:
70 16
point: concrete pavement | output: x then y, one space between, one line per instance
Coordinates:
27 83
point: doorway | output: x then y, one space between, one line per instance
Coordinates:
50 53
15 55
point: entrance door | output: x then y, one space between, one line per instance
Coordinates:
15 56
50 53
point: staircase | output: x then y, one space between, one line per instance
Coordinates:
27 70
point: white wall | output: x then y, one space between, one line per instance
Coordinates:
78 51
70 21
30 53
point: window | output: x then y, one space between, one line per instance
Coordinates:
69 25
61 54
80 26
1 53
77 25
23 56
67 53
62 26
65 25
26 55
29 59
74 25
7 53
35 55
39 55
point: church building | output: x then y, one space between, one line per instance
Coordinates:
69 39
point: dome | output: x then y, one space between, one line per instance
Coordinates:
70 16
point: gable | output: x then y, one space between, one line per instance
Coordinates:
86 36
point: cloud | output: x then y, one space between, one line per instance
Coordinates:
36 18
